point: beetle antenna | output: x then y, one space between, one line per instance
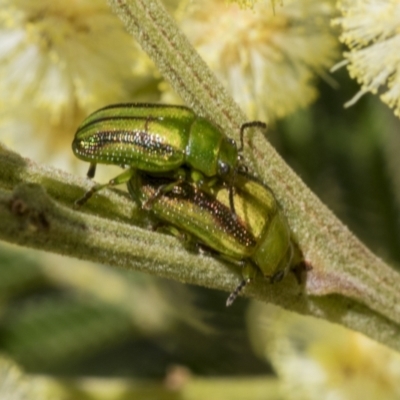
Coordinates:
231 195
235 293
247 125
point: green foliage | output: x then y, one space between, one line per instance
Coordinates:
47 332
349 159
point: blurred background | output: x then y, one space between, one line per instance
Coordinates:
66 320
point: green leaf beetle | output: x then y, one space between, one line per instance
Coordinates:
257 236
157 139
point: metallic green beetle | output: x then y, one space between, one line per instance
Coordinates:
257 236
156 139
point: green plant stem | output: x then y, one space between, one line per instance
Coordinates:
178 385
187 387
32 217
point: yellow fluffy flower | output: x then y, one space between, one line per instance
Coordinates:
268 60
244 3
59 61
371 29
319 360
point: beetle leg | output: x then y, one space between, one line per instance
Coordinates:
300 270
118 180
278 276
91 171
249 272
235 293
179 176
159 192
231 197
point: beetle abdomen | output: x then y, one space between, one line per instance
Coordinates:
198 213
143 143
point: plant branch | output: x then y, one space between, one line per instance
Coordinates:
39 213
342 265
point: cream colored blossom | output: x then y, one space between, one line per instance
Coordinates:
371 29
268 60
319 360
250 3
244 3
59 60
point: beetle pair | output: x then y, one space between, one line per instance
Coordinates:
190 175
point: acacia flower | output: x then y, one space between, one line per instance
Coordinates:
319 360
268 60
58 62
371 29
244 3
